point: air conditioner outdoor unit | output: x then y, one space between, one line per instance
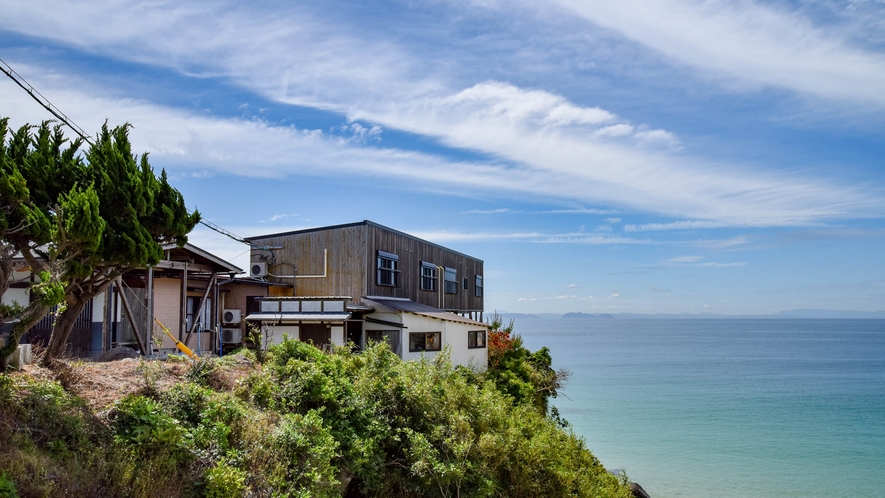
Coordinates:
231 336
258 269
230 316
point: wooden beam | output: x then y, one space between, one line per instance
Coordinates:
199 311
182 265
129 316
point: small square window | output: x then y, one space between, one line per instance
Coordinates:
428 276
476 339
388 269
425 341
451 281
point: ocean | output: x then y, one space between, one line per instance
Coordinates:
726 407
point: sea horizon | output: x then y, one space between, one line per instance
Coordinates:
728 408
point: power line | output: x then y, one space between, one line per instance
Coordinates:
42 100
222 231
55 111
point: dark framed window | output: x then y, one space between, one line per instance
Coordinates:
428 276
388 269
479 286
205 318
425 341
451 281
476 339
391 337
466 283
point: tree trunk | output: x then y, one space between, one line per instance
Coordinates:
30 317
61 329
65 321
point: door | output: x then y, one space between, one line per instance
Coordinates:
319 334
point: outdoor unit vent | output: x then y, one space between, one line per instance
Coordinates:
258 269
231 316
231 336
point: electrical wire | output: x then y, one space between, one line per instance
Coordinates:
42 100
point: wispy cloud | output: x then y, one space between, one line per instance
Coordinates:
539 142
489 211
736 241
675 225
684 259
752 42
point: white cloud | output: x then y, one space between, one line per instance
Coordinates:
488 211
684 259
676 225
749 41
539 142
613 220
572 286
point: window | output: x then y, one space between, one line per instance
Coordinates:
205 318
428 276
391 337
476 339
388 271
466 283
479 286
451 281
425 341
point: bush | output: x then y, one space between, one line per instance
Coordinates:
224 481
7 487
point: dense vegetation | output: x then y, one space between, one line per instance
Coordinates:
299 422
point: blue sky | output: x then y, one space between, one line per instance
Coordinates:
633 156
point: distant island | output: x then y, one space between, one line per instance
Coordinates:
587 315
794 314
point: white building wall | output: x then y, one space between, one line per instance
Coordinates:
20 296
453 335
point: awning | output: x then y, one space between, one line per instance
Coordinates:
298 317
409 306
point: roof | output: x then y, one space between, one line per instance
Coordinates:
410 306
359 223
202 256
299 317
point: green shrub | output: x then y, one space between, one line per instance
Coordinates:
7 487
224 481
306 450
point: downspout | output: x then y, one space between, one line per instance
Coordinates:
441 272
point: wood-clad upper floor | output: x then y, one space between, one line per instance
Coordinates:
368 259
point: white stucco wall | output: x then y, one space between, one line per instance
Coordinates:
20 296
453 335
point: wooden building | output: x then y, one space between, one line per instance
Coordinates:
363 282
367 259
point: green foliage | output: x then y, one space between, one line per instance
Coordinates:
143 427
305 424
306 450
527 377
7 487
224 481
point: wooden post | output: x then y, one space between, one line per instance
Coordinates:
182 322
199 310
129 316
149 305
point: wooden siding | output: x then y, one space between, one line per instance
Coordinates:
352 251
411 253
345 275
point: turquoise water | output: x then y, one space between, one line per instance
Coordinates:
727 408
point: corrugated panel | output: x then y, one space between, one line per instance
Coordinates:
298 317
